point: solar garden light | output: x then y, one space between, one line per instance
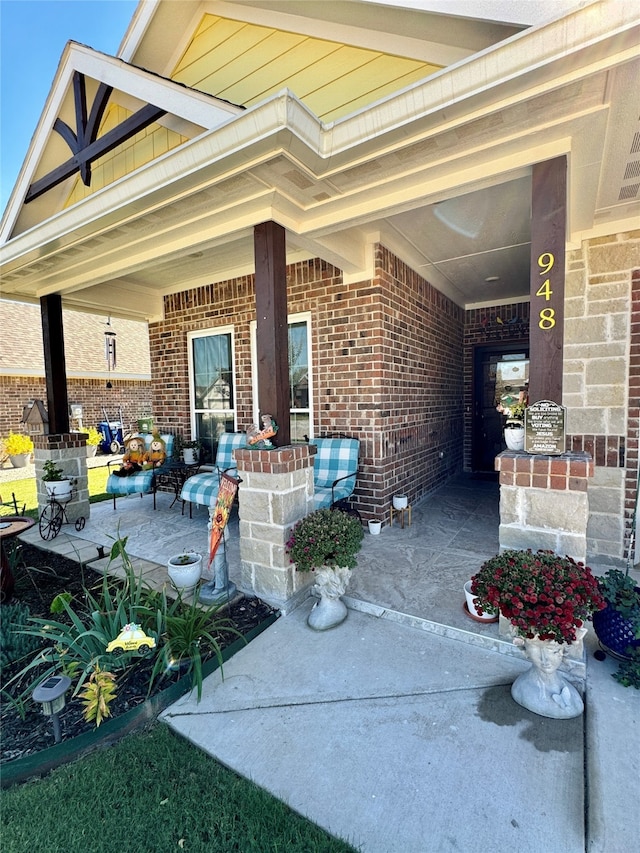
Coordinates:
51 694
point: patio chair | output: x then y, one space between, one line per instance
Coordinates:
142 482
202 488
335 469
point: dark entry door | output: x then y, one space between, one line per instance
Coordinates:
497 371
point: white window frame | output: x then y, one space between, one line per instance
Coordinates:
291 319
207 333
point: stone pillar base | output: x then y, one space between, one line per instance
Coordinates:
276 491
544 502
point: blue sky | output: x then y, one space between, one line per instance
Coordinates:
33 34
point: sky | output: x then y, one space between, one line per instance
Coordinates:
33 34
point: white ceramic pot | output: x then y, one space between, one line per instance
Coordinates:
59 489
471 606
20 460
185 571
374 527
514 438
400 501
189 455
92 449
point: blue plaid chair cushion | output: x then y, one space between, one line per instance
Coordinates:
335 469
203 488
144 481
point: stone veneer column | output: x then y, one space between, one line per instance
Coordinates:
69 452
276 491
544 502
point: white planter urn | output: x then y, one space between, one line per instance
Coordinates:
400 501
58 489
19 460
189 455
514 438
374 527
330 610
542 689
184 571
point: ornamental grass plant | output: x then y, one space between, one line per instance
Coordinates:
326 537
540 593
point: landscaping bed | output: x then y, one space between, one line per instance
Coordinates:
43 575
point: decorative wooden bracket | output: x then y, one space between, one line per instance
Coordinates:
84 144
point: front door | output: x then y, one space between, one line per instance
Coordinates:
498 372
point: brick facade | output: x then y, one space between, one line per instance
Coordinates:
132 396
387 357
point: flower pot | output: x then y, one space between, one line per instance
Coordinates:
542 689
614 631
374 527
330 610
400 501
184 572
92 449
189 455
58 489
514 438
471 606
19 460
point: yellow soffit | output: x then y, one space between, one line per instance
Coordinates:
245 63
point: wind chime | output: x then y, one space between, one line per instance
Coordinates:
110 350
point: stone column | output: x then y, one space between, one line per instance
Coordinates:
544 502
276 491
69 452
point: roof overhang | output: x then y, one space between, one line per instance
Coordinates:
185 219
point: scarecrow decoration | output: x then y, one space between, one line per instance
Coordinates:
134 456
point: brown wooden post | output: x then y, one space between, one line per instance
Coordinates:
55 370
548 240
272 336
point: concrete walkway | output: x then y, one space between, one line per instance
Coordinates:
402 741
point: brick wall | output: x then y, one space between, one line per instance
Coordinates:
132 395
387 358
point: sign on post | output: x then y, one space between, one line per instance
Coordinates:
544 428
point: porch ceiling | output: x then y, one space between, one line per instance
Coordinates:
439 173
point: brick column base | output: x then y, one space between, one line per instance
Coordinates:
69 452
276 492
544 502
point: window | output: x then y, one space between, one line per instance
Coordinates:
300 388
212 391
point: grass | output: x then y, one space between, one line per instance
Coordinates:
154 792
25 490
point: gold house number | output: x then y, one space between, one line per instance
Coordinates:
547 315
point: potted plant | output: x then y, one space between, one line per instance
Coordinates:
19 448
190 451
94 438
617 626
55 481
547 599
513 409
184 571
326 542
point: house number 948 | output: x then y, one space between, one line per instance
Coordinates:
547 315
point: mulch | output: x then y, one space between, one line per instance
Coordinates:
22 736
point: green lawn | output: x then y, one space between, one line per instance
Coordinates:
25 490
153 792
